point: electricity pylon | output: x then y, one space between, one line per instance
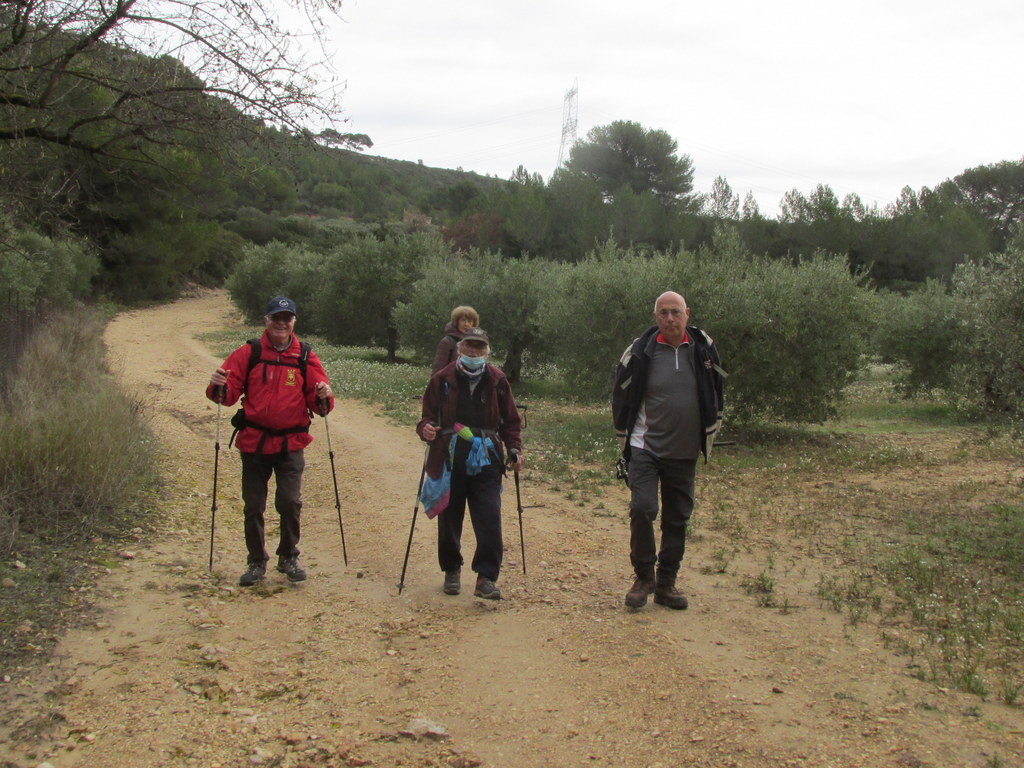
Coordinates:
568 123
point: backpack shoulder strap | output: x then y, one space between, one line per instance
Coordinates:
255 352
304 349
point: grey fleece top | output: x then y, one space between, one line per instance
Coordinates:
668 424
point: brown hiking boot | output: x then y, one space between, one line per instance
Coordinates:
642 587
668 595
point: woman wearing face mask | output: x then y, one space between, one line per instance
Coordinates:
471 420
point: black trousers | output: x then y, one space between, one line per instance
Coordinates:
287 469
483 494
677 479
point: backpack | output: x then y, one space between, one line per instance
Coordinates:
256 351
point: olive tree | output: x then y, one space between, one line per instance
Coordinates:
990 345
364 281
505 292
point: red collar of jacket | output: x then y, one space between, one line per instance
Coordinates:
661 339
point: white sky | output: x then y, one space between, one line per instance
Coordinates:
866 97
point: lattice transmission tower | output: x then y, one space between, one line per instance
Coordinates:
568 123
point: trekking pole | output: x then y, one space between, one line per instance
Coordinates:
513 456
334 477
415 509
216 463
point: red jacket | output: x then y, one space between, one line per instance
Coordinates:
275 396
441 400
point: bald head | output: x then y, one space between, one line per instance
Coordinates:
676 299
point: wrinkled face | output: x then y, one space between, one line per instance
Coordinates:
671 314
280 326
473 348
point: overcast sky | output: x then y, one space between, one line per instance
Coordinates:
866 97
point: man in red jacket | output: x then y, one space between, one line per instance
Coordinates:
282 384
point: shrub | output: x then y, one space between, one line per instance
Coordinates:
42 269
76 451
790 335
506 293
590 311
991 345
917 333
364 280
277 270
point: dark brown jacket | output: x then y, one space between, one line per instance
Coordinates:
441 400
447 348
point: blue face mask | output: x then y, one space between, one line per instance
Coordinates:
472 363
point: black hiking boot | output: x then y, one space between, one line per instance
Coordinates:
289 566
452 583
642 587
487 589
668 595
253 574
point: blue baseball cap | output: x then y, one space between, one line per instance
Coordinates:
280 304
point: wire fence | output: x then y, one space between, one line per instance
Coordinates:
18 326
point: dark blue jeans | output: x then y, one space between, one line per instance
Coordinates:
483 494
256 471
676 478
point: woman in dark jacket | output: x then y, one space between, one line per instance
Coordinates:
462 318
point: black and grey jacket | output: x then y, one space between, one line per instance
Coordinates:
631 385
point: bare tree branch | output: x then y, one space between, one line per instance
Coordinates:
109 76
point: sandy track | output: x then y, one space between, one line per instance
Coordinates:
185 668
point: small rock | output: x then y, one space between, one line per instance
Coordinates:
19 565
421 727
126 555
777 689
8 582
260 757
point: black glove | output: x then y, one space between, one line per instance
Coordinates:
622 469
513 457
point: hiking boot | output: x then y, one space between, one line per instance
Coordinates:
253 573
668 595
289 566
452 585
637 595
487 589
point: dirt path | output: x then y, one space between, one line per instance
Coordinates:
184 668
